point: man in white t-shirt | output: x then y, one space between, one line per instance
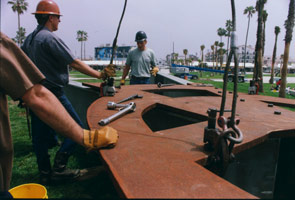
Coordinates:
141 61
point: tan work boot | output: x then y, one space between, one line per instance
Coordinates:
59 171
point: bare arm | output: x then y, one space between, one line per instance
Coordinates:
85 69
125 71
48 108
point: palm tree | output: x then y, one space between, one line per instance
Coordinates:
81 37
213 54
281 65
249 11
289 25
190 60
216 44
85 38
228 26
181 61
18 6
185 51
20 35
264 18
202 58
277 31
176 57
202 50
258 70
221 52
221 32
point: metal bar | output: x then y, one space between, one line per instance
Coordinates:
164 85
131 97
119 114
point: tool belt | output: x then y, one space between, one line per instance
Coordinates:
139 78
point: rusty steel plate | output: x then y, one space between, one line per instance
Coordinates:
168 162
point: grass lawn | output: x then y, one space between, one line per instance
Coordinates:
243 87
25 166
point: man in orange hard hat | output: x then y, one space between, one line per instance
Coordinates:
52 56
22 80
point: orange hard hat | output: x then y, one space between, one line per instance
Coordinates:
48 7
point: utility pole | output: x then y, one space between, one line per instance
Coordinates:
173 48
172 56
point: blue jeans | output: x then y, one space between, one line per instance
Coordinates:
44 137
139 80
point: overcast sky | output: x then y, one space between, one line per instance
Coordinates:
187 23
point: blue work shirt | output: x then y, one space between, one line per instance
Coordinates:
50 54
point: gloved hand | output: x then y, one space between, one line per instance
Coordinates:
122 82
154 71
108 71
104 137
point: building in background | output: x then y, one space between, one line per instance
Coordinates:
105 52
250 54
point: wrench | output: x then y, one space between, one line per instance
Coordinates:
131 107
112 105
131 97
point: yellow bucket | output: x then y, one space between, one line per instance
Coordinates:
30 191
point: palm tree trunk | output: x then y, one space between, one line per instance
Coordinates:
273 61
260 70
213 59
258 49
216 58
84 50
246 44
263 39
282 92
289 24
81 49
19 39
227 53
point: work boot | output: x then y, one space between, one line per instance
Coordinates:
89 173
60 172
45 177
44 167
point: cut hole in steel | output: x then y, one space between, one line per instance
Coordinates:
174 93
265 170
161 117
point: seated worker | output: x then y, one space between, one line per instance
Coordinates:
278 84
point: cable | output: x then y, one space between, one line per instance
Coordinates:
118 29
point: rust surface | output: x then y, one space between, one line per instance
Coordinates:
168 163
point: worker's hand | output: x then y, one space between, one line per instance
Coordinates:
109 71
104 137
154 71
122 82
